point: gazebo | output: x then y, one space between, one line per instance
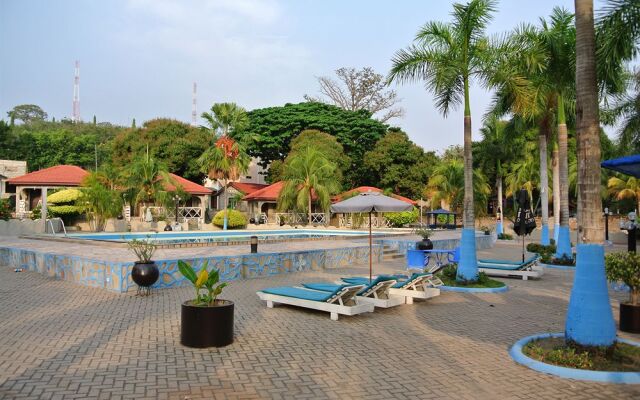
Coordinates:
432 217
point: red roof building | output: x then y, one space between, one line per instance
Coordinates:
60 175
190 187
365 189
247 188
269 193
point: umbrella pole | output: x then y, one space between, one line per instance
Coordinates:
523 236
370 249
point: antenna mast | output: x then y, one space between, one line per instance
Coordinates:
76 94
193 108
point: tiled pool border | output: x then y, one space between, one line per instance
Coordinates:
116 276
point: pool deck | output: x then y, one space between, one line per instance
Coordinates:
59 340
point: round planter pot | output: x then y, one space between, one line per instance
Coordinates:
207 326
424 244
629 318
145 274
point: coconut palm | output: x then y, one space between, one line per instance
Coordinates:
98 200
146 181
589 318
225 161
225 119
627 108
621 189
307 176
447 57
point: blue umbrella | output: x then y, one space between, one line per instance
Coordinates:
629 165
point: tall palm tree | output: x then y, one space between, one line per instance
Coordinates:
225 161
555 162
446 57
627 108
146 181
225 119
589 318
307 175
629 189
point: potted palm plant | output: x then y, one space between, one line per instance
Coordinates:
206 321
144 272
425 243
625 267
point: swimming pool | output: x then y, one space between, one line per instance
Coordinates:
222 237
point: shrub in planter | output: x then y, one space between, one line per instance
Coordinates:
235 219
206 321
144 272
425 243
625 267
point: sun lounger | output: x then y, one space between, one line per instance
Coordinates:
525 270
375 292
417 286
340 301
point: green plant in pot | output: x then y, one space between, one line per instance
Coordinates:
625 267
425 243
145 271
206 321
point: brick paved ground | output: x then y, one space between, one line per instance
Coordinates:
61 340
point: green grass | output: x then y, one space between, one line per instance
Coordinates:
448 276
621 357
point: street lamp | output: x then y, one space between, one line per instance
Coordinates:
176 199
606 224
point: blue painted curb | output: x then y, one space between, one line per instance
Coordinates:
474 290
570 373
561 267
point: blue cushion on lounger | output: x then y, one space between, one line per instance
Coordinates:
330 287
401 284
509 262
299 293
324 286
363 280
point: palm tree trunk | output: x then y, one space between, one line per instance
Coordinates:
556 191
309 222
469 219
564 241
544 187
500 226
589 317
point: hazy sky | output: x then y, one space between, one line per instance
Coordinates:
138 58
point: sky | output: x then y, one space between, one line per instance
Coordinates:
139 58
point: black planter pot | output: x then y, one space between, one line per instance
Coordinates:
208 326
629 318
424 244
145 274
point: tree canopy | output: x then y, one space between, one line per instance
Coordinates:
27 113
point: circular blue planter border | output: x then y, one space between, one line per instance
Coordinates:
572 373
560 267
474 290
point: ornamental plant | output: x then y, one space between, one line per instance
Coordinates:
143 249
204 279
424 233
235 219
5 209
625 267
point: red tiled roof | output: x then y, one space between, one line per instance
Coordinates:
364 189
269 193
247 188
60 175
188 186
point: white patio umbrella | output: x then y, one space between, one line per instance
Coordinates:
370 202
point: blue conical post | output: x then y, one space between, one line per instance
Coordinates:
468 265
589 318
499 228
544 236
556 232
563 245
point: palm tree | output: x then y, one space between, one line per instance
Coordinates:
226 161
226 119
627 107
146 181
589 318
629 189
446 57
307 175
99 201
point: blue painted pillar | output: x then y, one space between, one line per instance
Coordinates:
544 237
499 228
563 245
556 232
589 318
468 265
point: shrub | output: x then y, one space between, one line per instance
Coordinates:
625 267
564 260
5 209
400 219
236 219
505 236
64 196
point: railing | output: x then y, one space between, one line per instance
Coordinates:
362 220
53 230
184 213
292 218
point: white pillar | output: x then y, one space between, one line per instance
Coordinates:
43 210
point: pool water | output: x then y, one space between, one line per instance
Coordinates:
222 236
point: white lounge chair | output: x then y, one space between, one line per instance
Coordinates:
524 270
417 286
375 292
341 301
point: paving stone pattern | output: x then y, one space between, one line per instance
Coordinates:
59 340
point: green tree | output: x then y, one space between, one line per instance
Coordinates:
625 189
447 57
27 113
225 119
398 164
145 181
447 185
99 201
272 129
626 113
307 174
172 142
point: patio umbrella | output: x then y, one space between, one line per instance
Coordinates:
525 222
629 165
370 202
